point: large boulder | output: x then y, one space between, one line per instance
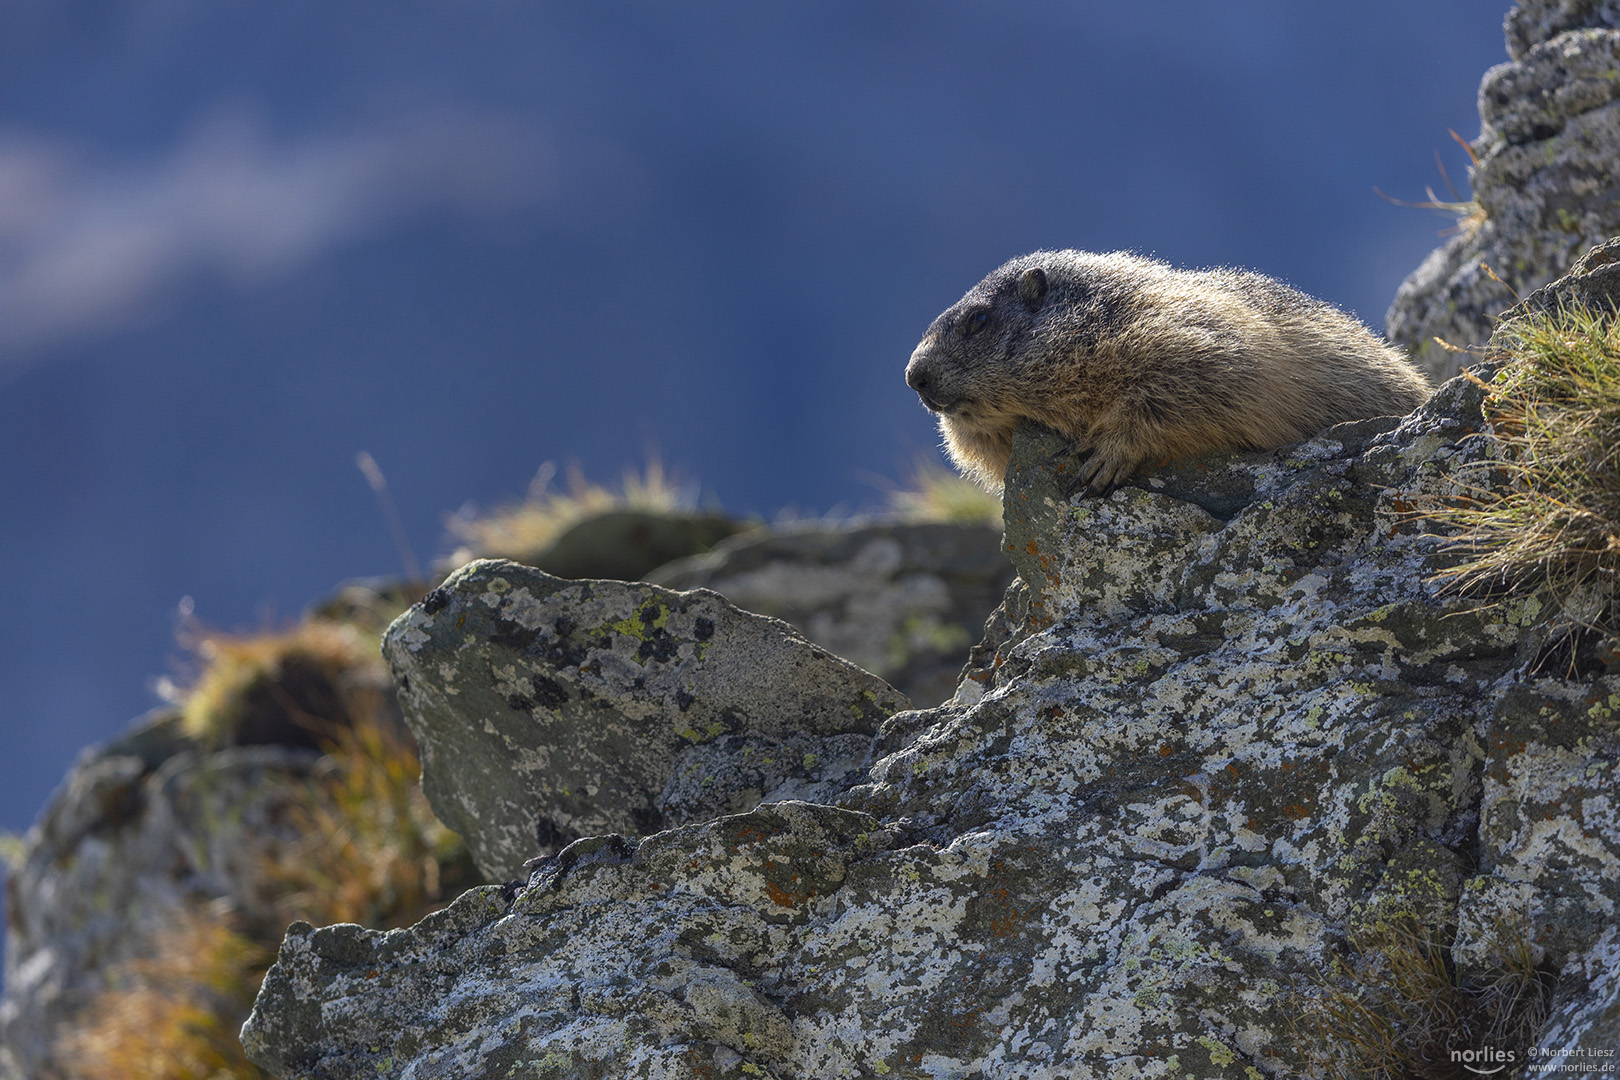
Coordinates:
1226 722
548 710
1547 182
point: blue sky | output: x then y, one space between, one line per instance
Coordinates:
240 243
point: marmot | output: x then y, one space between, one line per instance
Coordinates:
1137 361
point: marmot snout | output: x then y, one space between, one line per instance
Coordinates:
1137 361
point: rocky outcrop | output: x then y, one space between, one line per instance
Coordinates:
904 601
1547 182
141 827
1593 282
1225 721
548 710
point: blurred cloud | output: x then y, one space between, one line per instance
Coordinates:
89 246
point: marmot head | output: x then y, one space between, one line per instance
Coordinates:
964 368
981 359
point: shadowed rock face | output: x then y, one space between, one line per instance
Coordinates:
1224 719
1547 182
547 710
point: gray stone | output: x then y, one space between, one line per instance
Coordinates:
647 962
1533 21
904 601
1593 282
1227 719
140 828
1547 181
548 709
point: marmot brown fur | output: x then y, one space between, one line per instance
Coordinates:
1139 362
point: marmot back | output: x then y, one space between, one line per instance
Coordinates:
1139 362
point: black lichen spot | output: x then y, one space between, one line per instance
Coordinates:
548 692
562 654
658 645
514 636
703 628
649 614
435 601
404 684
519 703
683 700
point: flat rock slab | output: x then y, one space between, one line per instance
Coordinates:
549 709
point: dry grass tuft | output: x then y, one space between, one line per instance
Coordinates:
175 1013
1395 1009
524 529
1468 214
936 493
360 845
285 687
1551 532
369 849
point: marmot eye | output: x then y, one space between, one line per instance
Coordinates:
974 323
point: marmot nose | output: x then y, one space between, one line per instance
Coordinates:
917 377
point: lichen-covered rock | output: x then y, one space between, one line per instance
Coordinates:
1230 720
1593 282
547 710
1225 721
1534 21
1547 181
141 827
904 601
650 959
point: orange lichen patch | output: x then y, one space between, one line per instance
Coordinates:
784 887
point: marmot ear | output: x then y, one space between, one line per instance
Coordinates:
1032 287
